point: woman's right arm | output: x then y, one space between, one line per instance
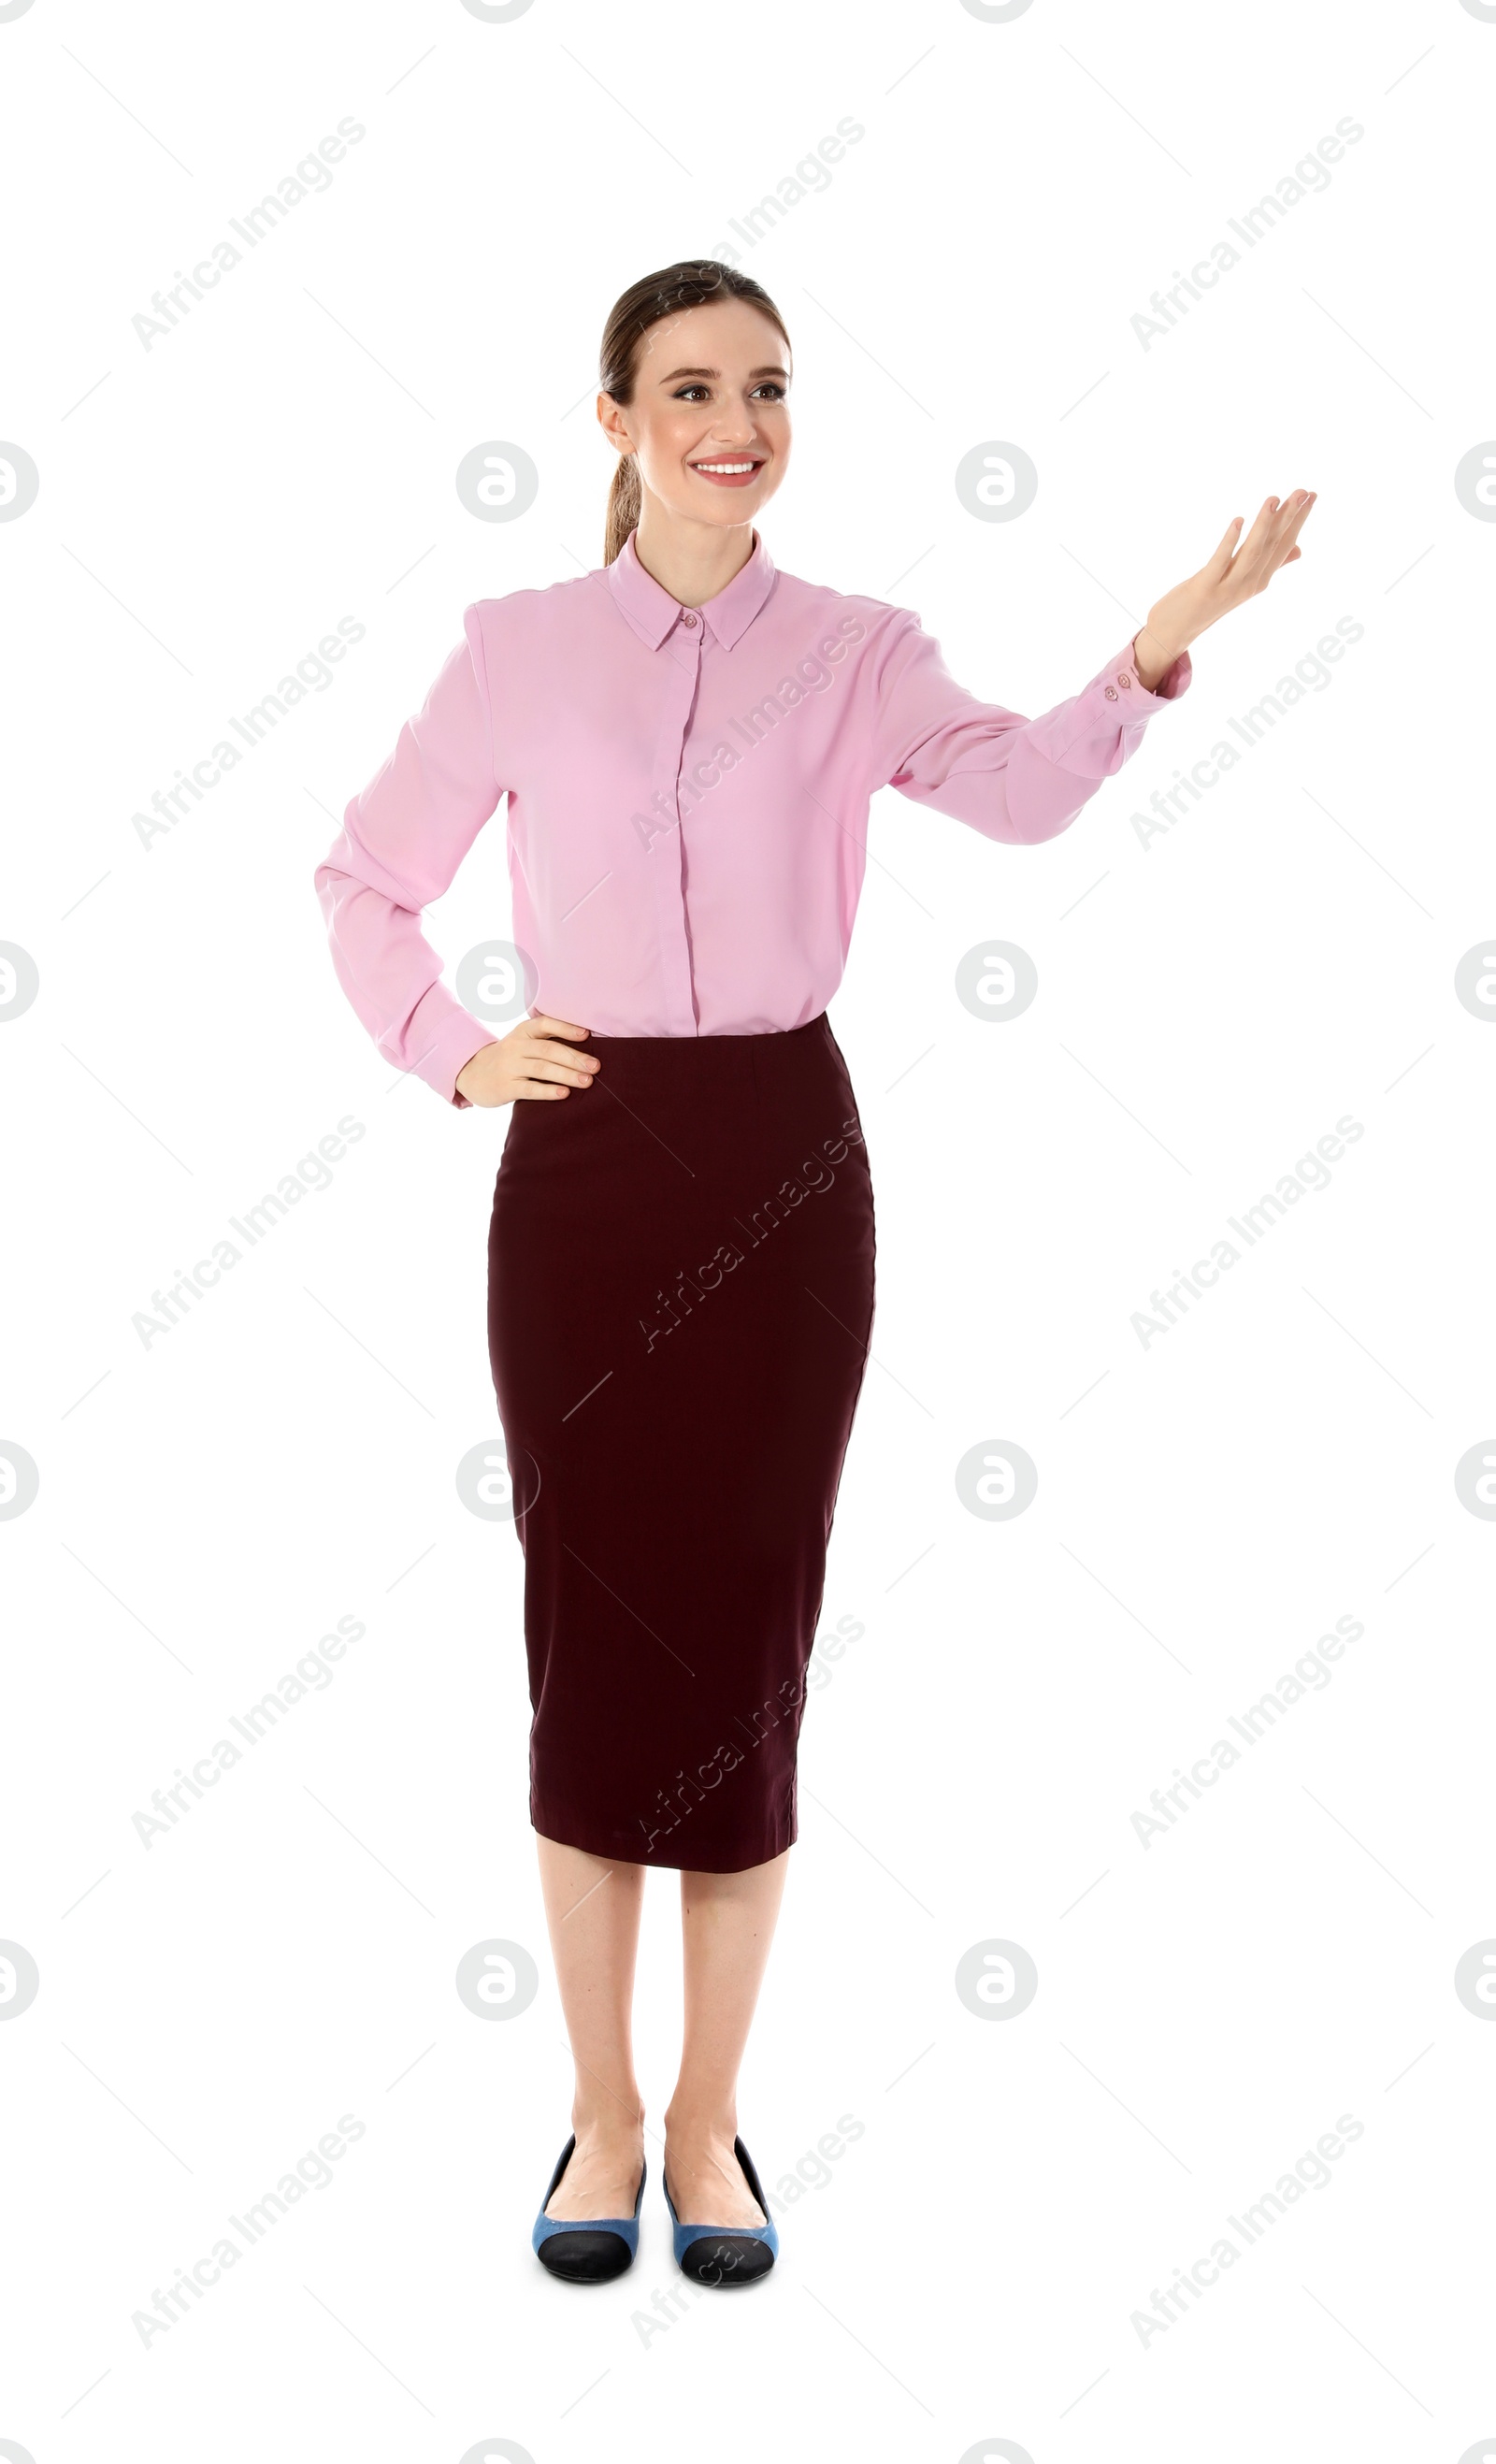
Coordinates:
400 847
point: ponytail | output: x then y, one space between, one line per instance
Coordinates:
624 499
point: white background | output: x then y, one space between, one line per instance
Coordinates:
1210 1005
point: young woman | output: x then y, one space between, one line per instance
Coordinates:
681 1271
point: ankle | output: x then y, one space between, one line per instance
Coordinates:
610 2123
701 2125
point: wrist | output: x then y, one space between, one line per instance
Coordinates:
1154 650
468 1070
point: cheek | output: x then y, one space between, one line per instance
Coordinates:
667 441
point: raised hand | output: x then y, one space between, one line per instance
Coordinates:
1239 569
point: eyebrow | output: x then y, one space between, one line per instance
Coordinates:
716 372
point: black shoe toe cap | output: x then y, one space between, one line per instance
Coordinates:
584 2257
727 2258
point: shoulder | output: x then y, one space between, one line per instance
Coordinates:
529 615
537 622
852 615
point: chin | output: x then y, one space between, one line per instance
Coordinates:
731 513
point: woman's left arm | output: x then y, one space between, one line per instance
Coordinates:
1235 573
1025 780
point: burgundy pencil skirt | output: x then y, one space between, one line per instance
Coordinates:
680 1302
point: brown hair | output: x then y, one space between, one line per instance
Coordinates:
690 284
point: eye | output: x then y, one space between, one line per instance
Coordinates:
688 392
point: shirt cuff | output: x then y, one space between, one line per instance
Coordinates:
446 1053
1175 680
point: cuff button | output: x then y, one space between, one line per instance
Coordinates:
1111 692
1126 683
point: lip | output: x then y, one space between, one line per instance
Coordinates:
732 479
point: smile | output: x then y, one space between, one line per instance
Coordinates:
728 473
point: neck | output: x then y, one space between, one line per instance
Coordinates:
692 560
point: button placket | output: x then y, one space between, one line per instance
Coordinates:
667 853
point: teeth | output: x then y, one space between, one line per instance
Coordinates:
731 468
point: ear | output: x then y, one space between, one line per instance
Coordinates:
611 417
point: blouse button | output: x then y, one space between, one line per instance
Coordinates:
1126 682
690 620
1111 692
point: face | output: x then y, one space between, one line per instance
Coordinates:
711 389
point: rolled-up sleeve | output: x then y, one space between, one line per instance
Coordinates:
401 844
1022 780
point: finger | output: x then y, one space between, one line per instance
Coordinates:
565 1070
1300 518
540 1051
1219 562
529 1088
1271 532
1273 513
1290 512
1258 536
544 1025
1281 549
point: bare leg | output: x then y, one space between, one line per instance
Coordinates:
727 1926
592 1908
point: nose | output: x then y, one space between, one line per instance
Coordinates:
738 431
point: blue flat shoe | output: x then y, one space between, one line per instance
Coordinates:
726 2254
590 2253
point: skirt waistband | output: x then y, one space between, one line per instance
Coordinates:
707 1044
782 1067
708 1067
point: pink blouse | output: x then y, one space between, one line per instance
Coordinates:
688 800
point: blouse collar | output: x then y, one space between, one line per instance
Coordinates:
653 613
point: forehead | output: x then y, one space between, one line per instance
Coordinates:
732 335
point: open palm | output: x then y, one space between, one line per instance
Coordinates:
1237 571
